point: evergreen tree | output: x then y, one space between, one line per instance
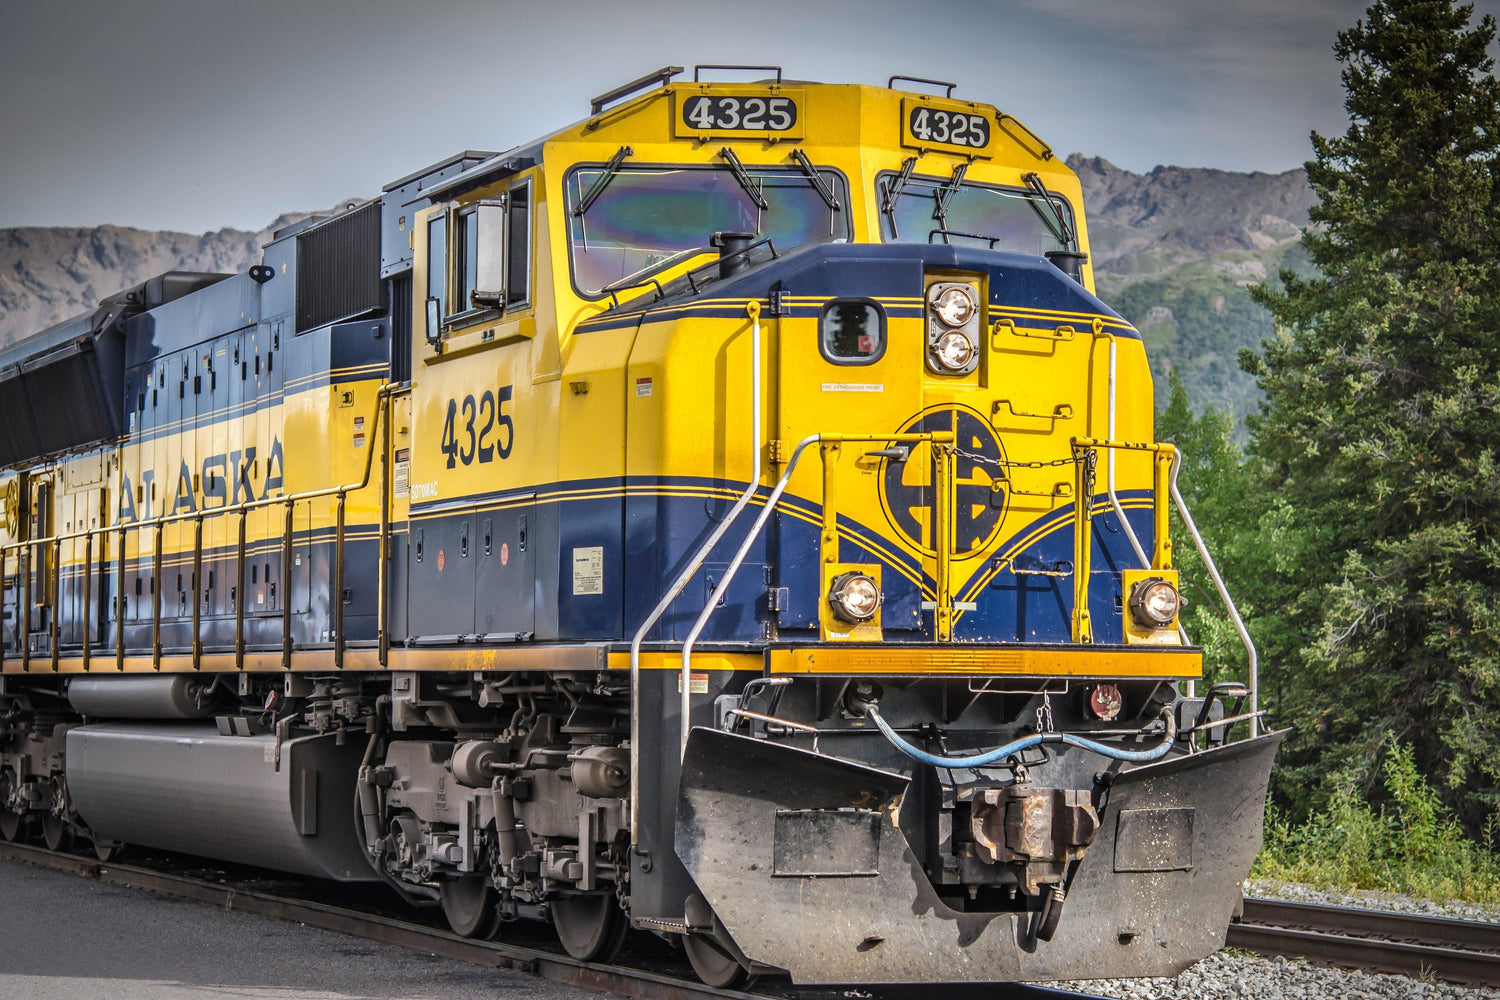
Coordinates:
1381 421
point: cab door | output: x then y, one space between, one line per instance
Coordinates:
849 365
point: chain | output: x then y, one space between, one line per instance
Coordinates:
1007 464
1044 721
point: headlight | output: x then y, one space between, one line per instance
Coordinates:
855 597
1154 603
954 305
954 351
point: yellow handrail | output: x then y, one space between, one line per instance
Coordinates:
27 547
1083 538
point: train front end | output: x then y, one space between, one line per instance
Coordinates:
904 564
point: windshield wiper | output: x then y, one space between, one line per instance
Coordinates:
1061 231
740 175
944 194
643 275
819 184
893 189
597 188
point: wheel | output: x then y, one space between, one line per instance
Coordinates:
56 833
11 824
469 906
108 850
713 963
591 927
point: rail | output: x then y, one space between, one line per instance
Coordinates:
25 551
635 976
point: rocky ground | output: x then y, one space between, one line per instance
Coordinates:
1229 976
1233 976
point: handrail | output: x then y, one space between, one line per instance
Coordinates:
1213 573
932 437
1161 557
690 570
1109 460
26 548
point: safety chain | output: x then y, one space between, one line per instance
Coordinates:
1006 464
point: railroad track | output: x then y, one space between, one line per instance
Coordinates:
1459 951
618 980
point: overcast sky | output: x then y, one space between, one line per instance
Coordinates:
198 114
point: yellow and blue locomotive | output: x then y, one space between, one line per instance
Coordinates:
732 517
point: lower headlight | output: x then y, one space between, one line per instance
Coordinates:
953 351
1155 602
855 597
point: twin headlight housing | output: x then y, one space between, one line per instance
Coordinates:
952 327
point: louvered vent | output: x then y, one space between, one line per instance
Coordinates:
338 269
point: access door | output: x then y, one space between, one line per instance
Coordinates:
851 366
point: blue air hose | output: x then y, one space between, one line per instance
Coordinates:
1026 743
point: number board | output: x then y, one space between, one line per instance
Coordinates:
755 112
928 122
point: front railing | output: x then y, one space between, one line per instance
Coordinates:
25 552
1166 465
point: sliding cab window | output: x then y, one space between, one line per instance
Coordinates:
917 209
479 262
518 238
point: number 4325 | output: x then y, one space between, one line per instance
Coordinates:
473 429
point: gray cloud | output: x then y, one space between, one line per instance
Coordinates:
196 114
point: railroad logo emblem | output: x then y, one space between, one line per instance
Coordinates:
908 488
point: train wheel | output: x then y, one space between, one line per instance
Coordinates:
709 948
469 906
11 822
591 927
713 963
108 850
56 833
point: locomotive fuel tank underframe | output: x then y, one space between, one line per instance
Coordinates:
183 787
1154 892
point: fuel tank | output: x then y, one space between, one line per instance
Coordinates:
163 696
183 787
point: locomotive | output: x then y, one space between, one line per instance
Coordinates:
732 517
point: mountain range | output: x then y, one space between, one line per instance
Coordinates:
1173 250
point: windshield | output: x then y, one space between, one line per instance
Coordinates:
1015 220
646 215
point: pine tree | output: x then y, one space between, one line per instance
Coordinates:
1381 421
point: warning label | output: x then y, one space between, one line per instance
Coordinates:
588 570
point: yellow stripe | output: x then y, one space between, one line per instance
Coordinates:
1059 661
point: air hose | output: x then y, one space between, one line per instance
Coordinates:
1026 743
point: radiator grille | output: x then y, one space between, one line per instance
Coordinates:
338 269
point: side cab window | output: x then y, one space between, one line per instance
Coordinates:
478 261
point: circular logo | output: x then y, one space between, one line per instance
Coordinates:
908 488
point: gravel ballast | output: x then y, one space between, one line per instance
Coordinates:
1228 976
